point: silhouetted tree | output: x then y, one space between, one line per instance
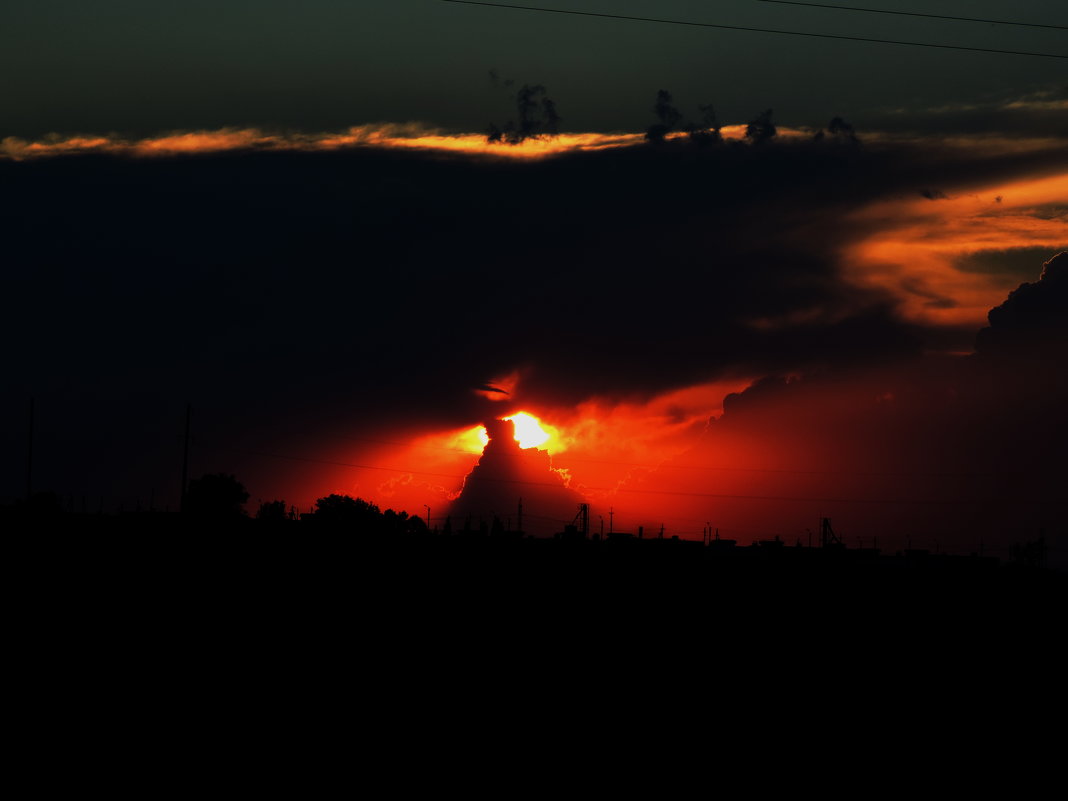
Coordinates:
1031 553
761 129
272 512
216 495
840 131
394 520
551 120
708 131
536 115
344 510
400 523
668 115
527 108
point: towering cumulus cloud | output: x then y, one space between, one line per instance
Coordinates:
1033 321
507 476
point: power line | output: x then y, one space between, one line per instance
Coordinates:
918 14
335 463
631 490
566 459
759 30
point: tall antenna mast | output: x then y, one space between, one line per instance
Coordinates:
827 535
29 456
185 456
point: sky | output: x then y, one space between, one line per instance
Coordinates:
142 68
290 218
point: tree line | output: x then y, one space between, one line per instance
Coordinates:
537 115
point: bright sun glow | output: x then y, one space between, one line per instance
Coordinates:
470 440
528 430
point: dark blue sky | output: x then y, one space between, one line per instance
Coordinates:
134 67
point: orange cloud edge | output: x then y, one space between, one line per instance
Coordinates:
385 135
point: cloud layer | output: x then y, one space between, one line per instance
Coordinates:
307 299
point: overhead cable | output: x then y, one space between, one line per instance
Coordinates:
918 14
781 32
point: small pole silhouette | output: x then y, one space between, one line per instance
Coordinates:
185 457
29 457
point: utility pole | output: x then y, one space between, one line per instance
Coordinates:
827 535
29 457
427 516
519 517
185 457
611 518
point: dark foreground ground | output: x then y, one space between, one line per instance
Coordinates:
143 561
174 654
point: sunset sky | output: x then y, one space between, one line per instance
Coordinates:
289 216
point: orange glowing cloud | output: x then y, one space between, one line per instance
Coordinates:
601 443
468 440
409 136
220 140
918 246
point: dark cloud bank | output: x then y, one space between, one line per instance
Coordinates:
940 450
297 298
